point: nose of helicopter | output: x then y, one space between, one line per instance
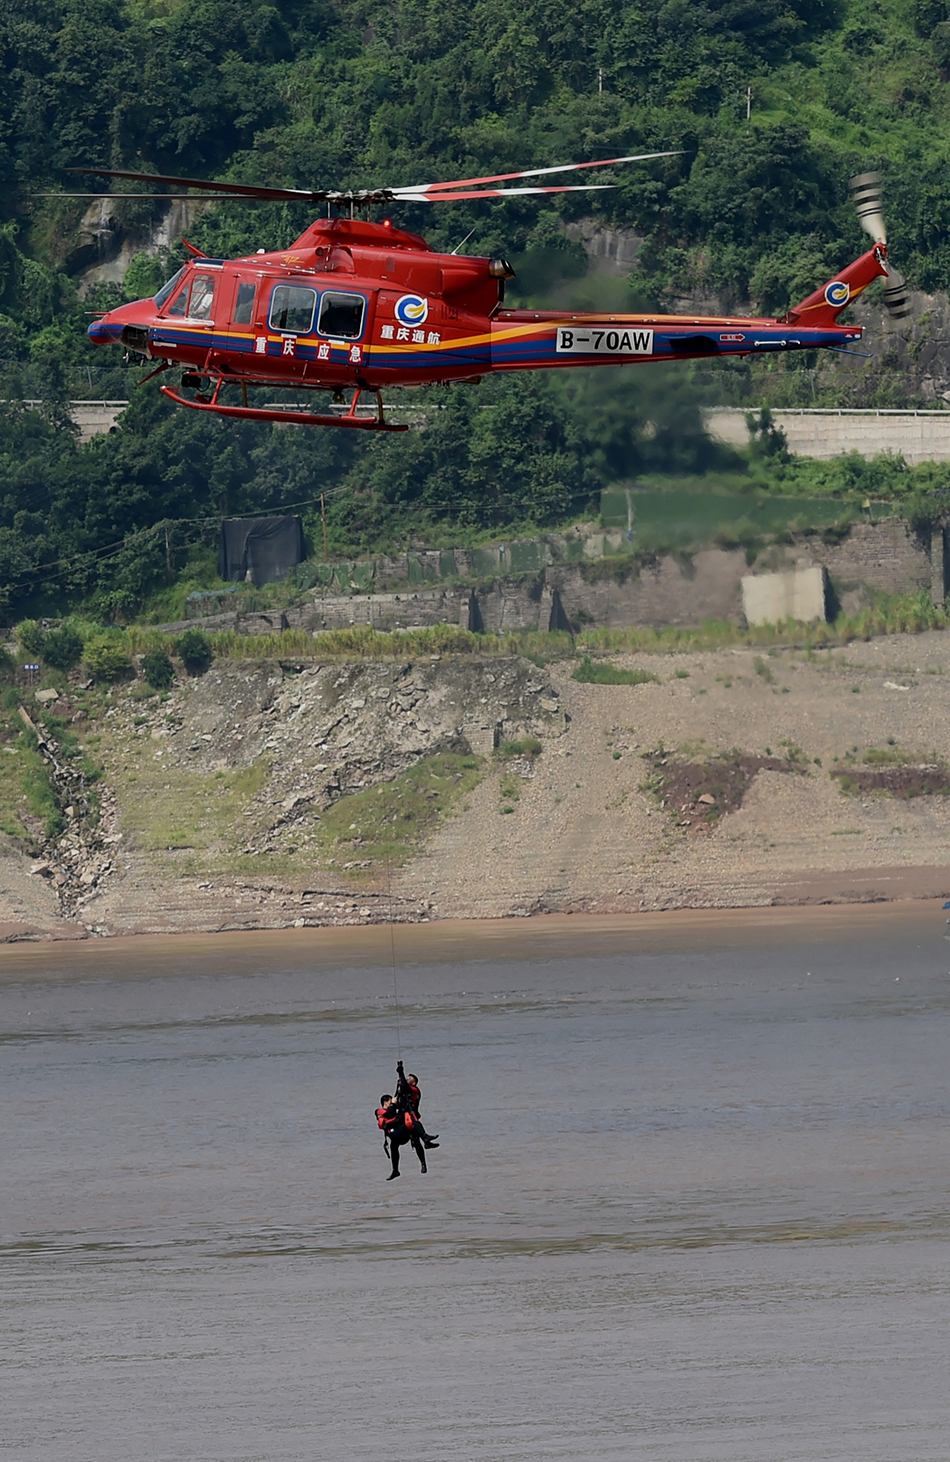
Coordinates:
104 331
123 326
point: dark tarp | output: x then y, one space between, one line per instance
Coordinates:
262 549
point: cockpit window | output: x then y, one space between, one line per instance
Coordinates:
341 315
291 309
180 305
244 305
202 294
167 290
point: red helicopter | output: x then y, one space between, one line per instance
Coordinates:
357 306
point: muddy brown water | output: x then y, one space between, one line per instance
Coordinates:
691 1199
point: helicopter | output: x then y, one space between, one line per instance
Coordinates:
355 306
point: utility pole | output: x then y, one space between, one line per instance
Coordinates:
748 104
600 80
323 517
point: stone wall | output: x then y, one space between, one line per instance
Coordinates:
409 609
616 593
886 555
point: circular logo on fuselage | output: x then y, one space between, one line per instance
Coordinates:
838 293
412 309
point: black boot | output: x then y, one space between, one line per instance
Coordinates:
430 1142
393 1174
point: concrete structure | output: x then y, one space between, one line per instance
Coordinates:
796 594
94 418
918 436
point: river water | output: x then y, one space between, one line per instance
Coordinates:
691 1199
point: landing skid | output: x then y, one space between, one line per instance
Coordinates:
349 418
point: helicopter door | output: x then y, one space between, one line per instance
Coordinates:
244 303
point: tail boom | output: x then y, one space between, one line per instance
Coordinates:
526 340
542 339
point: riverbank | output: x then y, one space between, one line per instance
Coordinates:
560 938
263 810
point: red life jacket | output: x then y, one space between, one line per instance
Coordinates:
385 1117
415 1096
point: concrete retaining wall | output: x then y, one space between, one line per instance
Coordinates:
796 594
919 436
94 418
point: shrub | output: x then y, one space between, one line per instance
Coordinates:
158 669
107 657
30 637
195 652
63 648
528 746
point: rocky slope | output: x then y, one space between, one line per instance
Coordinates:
218 801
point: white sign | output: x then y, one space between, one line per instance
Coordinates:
603 340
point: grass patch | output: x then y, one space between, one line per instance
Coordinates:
168 809
28 805
889 614
600 673
509 790
388 823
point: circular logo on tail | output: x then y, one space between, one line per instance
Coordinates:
838 293
412 309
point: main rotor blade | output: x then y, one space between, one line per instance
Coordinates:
151 197
238 190
566 167
499 193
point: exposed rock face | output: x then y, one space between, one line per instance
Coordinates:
332 729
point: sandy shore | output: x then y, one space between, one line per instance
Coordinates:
583 835
546 937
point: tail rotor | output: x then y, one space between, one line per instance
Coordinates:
866 195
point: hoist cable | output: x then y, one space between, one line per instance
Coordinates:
392 950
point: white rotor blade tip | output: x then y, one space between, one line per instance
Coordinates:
866 193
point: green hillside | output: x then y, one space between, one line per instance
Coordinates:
349 94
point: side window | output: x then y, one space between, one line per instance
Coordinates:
291 309
341 315
244 305
202 294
